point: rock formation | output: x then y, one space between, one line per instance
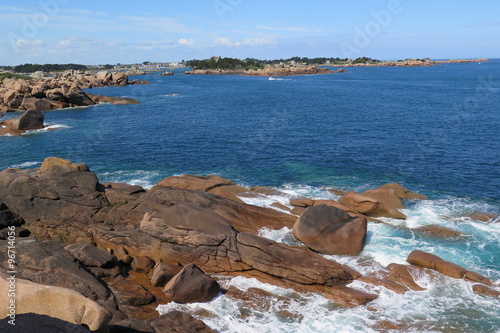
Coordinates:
53 302
63 90
330 230
129 250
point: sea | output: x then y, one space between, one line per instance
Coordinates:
434 130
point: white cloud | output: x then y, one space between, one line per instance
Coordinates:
23 43
268 40
186 41
223 41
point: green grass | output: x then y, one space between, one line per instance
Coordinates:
12 75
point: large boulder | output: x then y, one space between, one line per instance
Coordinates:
330 230
59 201
62 303
29 120
370 204
49 263
37 104
119 79
192 285
192 182
77 96
90 255
13 99
61 166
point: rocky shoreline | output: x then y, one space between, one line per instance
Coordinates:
298 69
412 63
118 250
60 91
277 70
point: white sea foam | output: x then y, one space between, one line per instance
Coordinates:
25 165
145 179
447 303
45 129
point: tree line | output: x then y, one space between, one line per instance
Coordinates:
252 63
223 63
31 68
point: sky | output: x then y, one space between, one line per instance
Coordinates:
108 32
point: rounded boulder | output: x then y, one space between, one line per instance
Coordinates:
330 230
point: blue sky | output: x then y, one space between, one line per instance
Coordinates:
98 32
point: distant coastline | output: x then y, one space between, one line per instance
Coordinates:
410 63
289 68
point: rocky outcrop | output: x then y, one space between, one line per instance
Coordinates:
192 285
178 322
112 100
167 73
57 200
29 120
382 202
192 182
330 230
55 304
60 91
444 267
48 263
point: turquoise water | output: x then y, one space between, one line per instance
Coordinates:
431 129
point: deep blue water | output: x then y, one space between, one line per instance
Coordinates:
432 129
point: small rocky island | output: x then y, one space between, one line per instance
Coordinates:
112 252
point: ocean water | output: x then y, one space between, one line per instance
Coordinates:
431 129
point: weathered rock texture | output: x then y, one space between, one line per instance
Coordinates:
192 285
444 267
330 230
382 202
56 302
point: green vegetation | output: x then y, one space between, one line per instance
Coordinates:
252 63
223 63
30 68
12 75
364 60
